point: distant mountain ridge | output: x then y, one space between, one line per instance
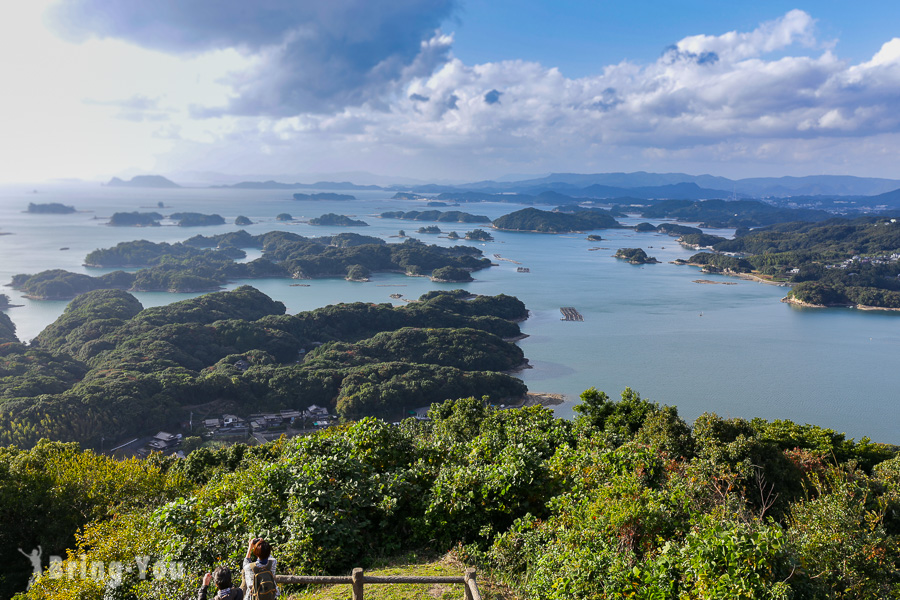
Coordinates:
811 185
144 181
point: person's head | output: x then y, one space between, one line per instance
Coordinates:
222 577
261 549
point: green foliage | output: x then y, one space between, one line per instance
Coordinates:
598 508
242 221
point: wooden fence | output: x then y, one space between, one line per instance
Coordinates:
359 579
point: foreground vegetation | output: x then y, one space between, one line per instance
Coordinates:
626 501
110 368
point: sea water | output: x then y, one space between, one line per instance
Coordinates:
731 349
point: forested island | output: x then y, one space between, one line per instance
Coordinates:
479 235
635 256
108 367
839 262
206 263
242 221
626 500
335 220
450 216
192 219
324 196
543 221
135 219
50 208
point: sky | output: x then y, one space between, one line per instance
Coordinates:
447 90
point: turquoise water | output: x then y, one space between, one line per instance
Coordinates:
748 354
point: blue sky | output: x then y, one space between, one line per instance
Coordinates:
579 36
448 89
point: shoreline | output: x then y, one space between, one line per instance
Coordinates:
541 399
800 303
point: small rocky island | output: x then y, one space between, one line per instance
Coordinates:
635 256
51 208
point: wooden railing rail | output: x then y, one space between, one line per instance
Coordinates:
359 579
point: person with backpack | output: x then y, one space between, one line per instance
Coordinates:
222 577
259 574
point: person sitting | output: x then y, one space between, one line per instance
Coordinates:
259 575
222 578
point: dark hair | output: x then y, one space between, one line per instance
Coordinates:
262 549
222 577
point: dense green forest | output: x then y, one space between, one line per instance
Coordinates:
450 216
625 501
109 368
730 213
533 219
835 262
206 263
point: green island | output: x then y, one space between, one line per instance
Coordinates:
206 263
192 219
839 262
108 367
429 229
479 235
625 501
449 216
335 220
324 196
635 256
544 221
135 219
284 217
242 221
451 275
50 208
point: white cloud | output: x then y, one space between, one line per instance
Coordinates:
772 100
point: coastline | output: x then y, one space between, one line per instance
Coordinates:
541 399
800 303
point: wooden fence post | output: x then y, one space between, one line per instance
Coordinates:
469 576
357 584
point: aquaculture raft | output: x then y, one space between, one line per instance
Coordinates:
570 314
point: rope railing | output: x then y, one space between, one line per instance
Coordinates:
359 579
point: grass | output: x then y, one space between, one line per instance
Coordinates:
411 565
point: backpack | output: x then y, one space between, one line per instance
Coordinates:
263 583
